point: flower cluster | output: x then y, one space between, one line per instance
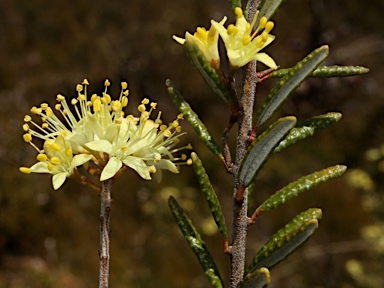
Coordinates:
96 130
242 41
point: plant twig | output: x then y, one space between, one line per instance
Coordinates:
106 199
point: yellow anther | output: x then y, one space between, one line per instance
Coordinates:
152 169
64 133
163 127
246 40
27 118
124 101
55 147
145 101
176 140
269 26
232 30
180 116
106 99
167 133
50 167
153 105
141 108
74 101
183 157
238 12
79 87
116 105
124 149
43 119
55 161
107 83
126 93
97 105
264 36
89 103
25 170
26 127
44 106
93 97
175 123
85 82
157 158
49 112
118 121
35 110
58 106
178 129
189 146
27 137
258 42
201 33
68 152
45 125
189 161
263 21
124 85
81 97
41 157
60 98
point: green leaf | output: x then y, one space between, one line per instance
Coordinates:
286 240
193 119
258 279
299 186
308 128
196 243
209 195
261 148
234 4
209 74
289 83
328 71
268 8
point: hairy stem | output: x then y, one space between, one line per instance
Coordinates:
105 197
240 218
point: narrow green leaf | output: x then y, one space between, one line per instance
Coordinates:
307 128
289 83
262 147
301 185
193 119
268 8
196 243
234 4
258 279
328 71
209 195
205 69
286 240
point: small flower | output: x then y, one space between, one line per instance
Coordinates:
58 160
243 43
96 129
206 41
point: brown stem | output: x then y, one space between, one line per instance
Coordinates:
105 196
240 218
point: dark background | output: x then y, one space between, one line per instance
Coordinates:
50 238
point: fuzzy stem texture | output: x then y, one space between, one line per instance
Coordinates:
240 218
105 197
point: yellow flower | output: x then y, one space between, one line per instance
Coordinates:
58 160
243 42
206 41
96 129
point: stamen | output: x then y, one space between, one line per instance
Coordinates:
25 170
41 157
239 12
55 161
263 22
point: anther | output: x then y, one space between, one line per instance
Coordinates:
107 83
26 127
124 85
25 170
41 157
79 87
55 161
27 137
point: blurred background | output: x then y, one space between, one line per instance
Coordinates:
50 238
